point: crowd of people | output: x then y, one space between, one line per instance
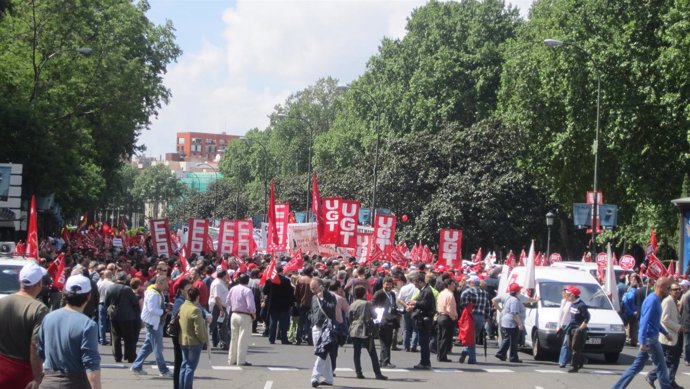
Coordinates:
219 302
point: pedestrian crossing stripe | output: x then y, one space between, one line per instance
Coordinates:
341 369
395 370
155 367
234 368
498 371
283 368
603 372
447 371
551 371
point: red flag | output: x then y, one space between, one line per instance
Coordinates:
296 263
330 214
655 269
384 230
522 258
182 254
652 246
348 216
270 274
427 257
32 236
414 254
208 246
510 260
106 230
272 237
478 257
671 268
56 270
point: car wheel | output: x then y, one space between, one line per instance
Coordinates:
538 352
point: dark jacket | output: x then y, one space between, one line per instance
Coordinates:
280 297
390 314
426 303
685 316
126 301
327 304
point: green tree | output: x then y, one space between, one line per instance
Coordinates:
158 185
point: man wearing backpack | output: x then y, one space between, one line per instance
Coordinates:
631 309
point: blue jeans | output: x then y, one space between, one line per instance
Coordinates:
102 323
152 343
409 332
672 358
657 355
472 350
564 356
190 360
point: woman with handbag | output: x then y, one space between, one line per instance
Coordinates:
193 336
180 298
363 332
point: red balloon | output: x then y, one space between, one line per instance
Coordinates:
404 218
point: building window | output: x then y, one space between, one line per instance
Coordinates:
180 141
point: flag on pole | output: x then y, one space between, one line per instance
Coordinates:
478 256
510 260
610 285
671 268
56 270
530 280
272 237
270 274
296 263
316 206
32 236
182 254
522 258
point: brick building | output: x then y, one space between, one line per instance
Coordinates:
202 146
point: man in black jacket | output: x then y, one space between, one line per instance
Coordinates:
385 299
125 322
423 308
280 299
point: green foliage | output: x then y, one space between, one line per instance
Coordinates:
73 119
157 184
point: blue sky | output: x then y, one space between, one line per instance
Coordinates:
241 58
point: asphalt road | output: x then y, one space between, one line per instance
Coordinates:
286 366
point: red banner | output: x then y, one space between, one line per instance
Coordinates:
272 235
384 231
160 237
450 248
32 233
196 237
244 243
330 210
282 220
347 226
296 263
655 269
363 248
56 270
227 235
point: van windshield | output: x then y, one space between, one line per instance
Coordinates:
9 279
550 294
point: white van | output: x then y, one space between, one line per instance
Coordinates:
606 331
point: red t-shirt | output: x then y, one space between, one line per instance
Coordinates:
203 292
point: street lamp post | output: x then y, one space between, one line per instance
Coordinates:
311 142
215 195
595 148
266 155
372 101
550 217
38 67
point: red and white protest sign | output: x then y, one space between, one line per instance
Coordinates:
602 260
555 257
363 246
282 220
450 248
655 269
196 237
627 262
243 242
384 231
347 225
330 208
227 236
160 237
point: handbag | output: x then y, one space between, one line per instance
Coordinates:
113 308
173 328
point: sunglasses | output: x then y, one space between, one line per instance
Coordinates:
675 289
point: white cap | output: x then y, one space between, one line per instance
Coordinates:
684 283
77 284
31 273
474 279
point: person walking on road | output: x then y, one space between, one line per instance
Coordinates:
362 332
384 298
511 324
447 317
322 307
103 285
648 338
68 342
563 321
477 296
153 316
192 337
303 295
577 328
123 309
180 297
240 302
670 320
219 321
423 308
22 315
409 332
279 298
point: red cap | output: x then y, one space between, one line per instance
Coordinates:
514 287
572 289
251 265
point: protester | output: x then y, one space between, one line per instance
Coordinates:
105 282
511 324
631 309
240 302
279 300
577 328
68 342
409 328
362 332
192 337
341 310
685 320
322 307
478 297
124 310
22 315
385 299
670 320
153 316
220 336
563 322
257 290
648 337
180 298
423 308
303 295
447 310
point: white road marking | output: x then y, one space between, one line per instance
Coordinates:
155 367
395 370
498 370
447 371
283 369
339 369
538 387
113 366
268 385
235 368
602 372
550 371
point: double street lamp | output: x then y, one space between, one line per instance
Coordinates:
552 43
372 101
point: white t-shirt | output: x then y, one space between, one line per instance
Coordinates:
219 289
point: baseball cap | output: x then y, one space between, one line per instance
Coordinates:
514 287
572 289
31 273
474 279
77 284
685 283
